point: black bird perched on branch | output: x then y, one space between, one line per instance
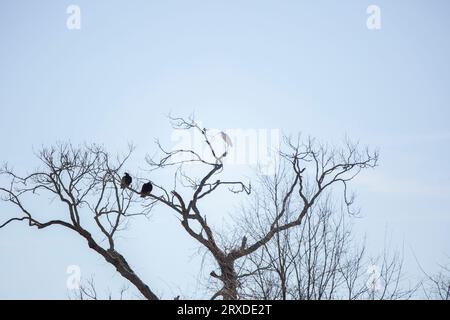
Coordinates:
244 242
126 181
146 189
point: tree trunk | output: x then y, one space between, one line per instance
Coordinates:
229 279
124 269
118 261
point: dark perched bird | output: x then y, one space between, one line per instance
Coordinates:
126 181
244 242
146 189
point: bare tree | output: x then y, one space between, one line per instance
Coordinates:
437 286
88 291
316 169
86 181
320 259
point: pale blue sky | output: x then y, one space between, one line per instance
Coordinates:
309 66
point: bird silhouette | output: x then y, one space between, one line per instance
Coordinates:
146 189
126 181
244 242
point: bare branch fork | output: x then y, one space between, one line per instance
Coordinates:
85 180
327 166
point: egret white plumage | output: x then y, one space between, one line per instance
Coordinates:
226 138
